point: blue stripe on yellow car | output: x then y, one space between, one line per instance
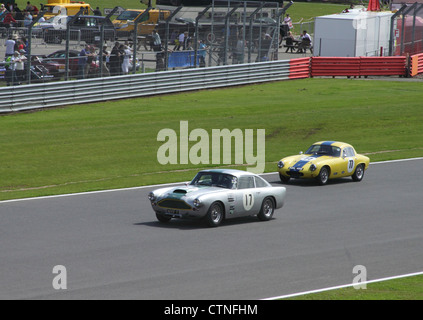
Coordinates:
302 163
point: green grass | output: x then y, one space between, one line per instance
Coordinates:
114 144
409 288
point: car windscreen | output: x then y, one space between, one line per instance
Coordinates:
326 150
128 15
214 179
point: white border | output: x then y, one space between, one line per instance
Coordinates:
158 185
344 286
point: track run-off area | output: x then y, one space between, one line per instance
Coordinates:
112 247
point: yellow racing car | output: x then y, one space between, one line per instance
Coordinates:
324 160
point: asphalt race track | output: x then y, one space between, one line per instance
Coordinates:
113 247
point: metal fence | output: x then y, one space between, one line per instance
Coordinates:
213 36
19 98
407 30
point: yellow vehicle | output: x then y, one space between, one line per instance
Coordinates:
324 160
124 23
65 7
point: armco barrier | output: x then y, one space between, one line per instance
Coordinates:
416 64
358 66
18 98
383 66
299 68
335 66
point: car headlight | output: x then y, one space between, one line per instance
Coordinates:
151 196
313 167
197 203
280 164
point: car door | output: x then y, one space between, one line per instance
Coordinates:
247 197
347 162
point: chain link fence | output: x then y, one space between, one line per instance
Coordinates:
407 30
82 46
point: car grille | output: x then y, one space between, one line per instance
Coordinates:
174 204
295 174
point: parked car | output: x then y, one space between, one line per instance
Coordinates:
215 195
55 68
59 57
85 28
324 160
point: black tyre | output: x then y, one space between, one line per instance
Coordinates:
267 209
215 215
284 179
358 173
323 176
162 217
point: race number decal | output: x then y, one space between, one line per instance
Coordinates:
248 201
351 165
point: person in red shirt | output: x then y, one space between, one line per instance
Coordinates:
8 21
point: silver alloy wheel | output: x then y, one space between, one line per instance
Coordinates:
268 207
216 213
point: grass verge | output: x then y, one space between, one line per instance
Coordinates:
114 144
409 288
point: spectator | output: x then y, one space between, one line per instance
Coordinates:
289 42
238 53
82 61
97 12
91 57
186 41
180 41
19 15
27 19
19 61
10 72
157 43
126 56
29 7
10 46
115 60
104 61
202 53
264 48
305 42
8 20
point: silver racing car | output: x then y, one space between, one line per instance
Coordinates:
215 195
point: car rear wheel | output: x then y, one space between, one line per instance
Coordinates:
358 173
162 217
214 216
267 209
323 176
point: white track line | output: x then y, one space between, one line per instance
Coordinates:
159 185
344 286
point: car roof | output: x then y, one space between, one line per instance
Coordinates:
234 172
333 143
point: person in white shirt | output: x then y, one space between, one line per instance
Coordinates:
10 46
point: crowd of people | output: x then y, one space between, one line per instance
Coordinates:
12 16
113 63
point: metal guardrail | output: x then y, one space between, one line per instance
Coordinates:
35 96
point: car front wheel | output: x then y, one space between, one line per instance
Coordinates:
215 214
162 217
323 176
